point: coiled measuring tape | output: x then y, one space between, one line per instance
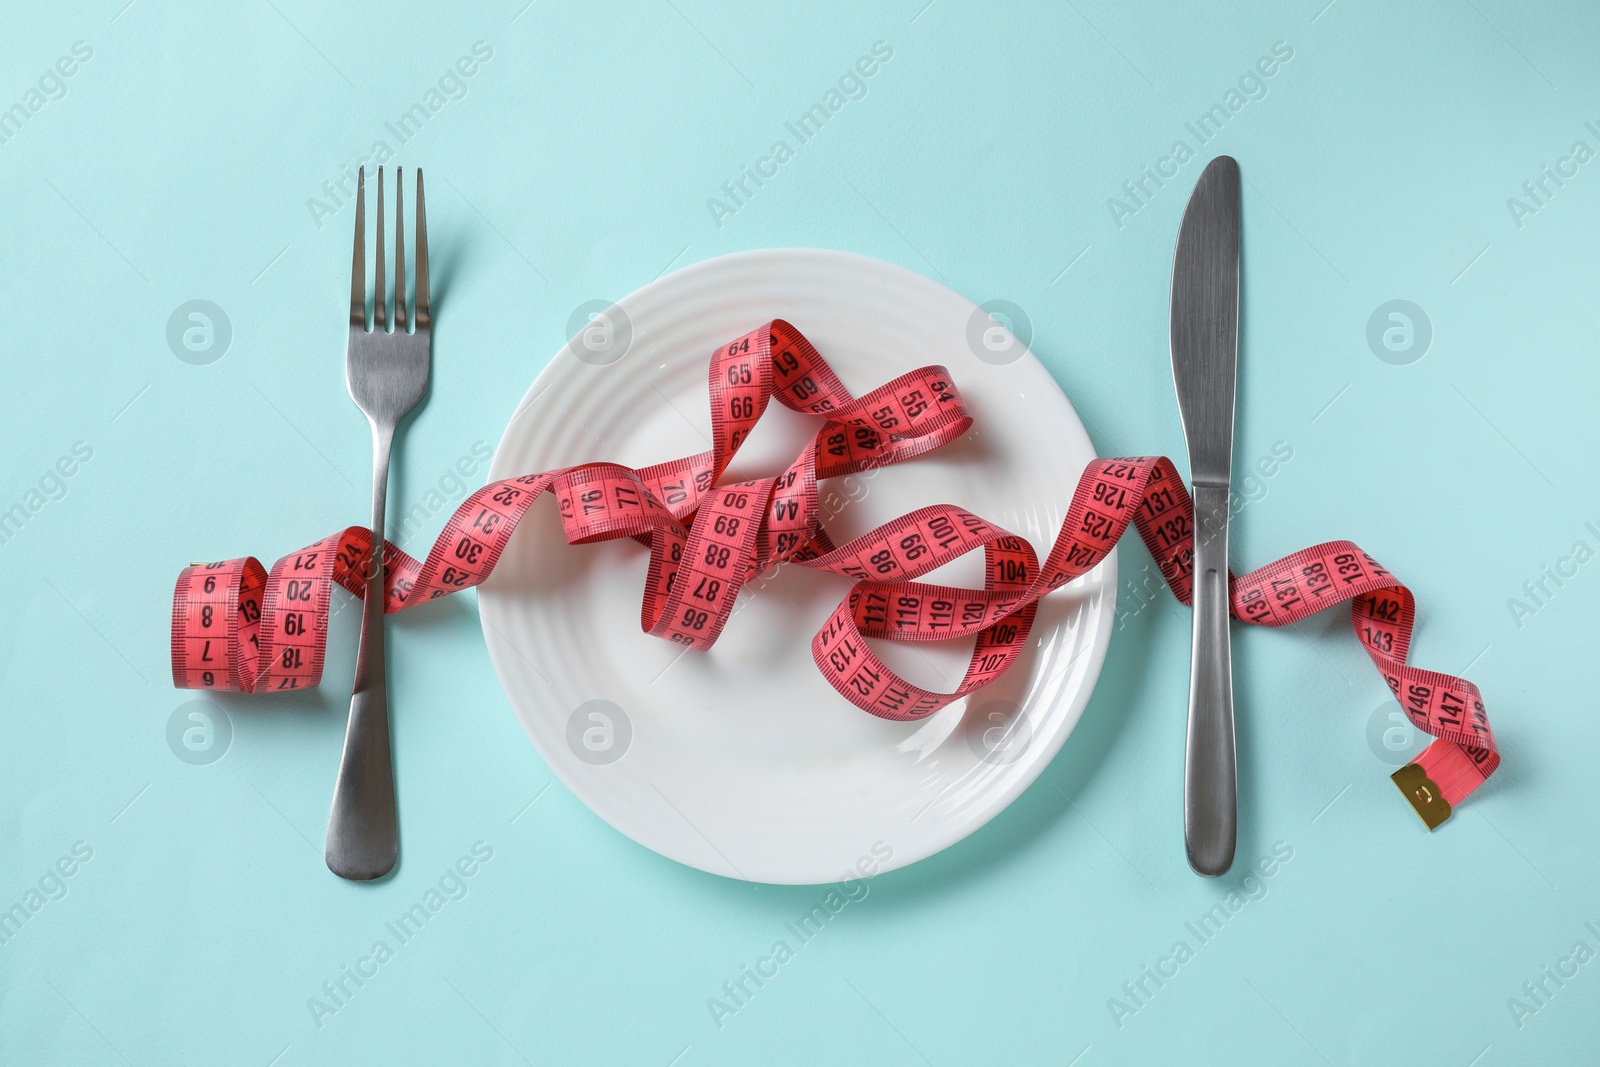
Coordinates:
239 627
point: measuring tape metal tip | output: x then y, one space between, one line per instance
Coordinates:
1423 794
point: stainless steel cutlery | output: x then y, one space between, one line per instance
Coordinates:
387 373
1205 346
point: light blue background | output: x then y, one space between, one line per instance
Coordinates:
178 166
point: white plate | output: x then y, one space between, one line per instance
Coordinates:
743 761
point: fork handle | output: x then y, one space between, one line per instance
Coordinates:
1210 780
364 827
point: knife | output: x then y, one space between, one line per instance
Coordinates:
1205 346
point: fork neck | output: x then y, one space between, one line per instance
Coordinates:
382 442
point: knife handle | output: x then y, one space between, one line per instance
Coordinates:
1210 784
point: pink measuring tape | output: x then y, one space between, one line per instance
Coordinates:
239 627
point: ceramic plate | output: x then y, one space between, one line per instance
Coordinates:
742 761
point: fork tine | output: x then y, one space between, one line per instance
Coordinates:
422 258
358 266
380 298
399 252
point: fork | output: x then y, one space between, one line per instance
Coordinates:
386 373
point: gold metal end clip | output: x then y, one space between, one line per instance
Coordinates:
1422 794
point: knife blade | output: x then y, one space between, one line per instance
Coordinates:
1205 346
